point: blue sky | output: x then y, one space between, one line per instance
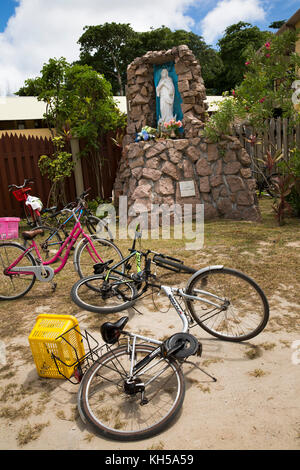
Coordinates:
32 31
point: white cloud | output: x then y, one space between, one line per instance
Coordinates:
228 12
41 29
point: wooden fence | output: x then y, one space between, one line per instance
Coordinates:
19 156
278 136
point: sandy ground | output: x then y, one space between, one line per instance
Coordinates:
254 404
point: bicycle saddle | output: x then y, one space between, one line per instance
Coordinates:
110 331
32 233
100 267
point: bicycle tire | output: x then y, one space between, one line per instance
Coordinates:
6 259
87 294
97 226
106 249
113 421
243 314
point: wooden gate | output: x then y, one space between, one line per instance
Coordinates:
19 156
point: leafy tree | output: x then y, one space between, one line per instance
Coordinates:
209 59
267 85
109 48
79 103
277 24
233 47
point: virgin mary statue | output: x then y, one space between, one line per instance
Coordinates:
165 90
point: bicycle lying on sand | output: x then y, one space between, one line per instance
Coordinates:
135 389
21 266
224 302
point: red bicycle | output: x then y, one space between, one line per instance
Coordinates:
32 205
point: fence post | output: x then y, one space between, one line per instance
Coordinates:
77 168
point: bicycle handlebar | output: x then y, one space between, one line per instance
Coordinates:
26 181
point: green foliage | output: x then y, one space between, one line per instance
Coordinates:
79 104
59 165
292 167
111 47
233 48
220 122
267 85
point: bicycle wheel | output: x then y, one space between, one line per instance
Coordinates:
105 402
94 294
240 309
49 241
85 258
97 226
15 285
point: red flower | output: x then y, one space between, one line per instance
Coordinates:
268 55
268 45
247 63
262 100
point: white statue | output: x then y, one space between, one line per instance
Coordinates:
165 90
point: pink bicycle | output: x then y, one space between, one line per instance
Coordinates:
21 266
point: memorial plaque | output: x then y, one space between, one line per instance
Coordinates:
187 188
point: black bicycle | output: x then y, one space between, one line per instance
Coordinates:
225 302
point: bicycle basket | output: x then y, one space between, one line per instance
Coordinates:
21 194
46 342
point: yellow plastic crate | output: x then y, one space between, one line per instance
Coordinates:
45 340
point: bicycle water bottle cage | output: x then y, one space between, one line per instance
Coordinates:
181 345
99 268
111 332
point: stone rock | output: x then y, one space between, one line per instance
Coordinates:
203 168
165 186
212 152
170 169
244 198
229 156
232 168
235 183
204 184
246 172
188 169
193 153
136 163
244 157
153 163
175 155
216 180
210 212
142 191
151 174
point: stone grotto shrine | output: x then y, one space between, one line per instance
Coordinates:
187 169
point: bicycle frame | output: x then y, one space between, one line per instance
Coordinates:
142 366
68 244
